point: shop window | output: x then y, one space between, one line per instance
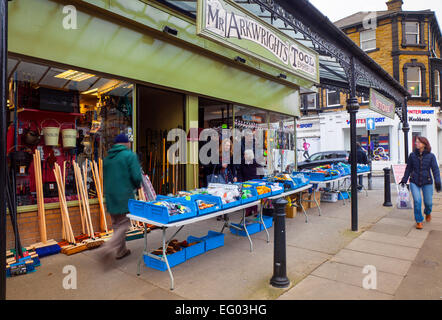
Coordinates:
333 98
412 32
368 40
311 101
379 145
69 115
437 86
414 81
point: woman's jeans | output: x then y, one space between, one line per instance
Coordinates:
427 191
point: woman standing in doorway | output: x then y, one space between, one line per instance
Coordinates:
419 164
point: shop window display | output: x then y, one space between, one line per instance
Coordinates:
379 146
68 115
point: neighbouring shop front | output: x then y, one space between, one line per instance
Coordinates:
81 87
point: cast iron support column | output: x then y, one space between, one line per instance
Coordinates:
279 278
3 162
405 128
387 188
352 108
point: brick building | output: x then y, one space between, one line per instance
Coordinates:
407 44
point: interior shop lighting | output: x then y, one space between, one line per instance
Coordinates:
90 91
74 75
170 30
282 76
239 59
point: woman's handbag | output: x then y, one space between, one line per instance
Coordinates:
215 178
403 199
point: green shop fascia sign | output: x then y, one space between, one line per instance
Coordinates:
229 24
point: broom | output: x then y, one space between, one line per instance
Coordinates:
45 247
97 180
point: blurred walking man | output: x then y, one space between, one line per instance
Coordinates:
122 176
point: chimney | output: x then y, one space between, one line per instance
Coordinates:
395 5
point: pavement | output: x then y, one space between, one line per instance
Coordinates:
325 260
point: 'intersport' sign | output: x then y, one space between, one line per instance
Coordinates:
231 25
381 104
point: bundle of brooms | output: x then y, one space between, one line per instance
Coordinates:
88 239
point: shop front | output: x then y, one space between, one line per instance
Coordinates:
424 122
122 70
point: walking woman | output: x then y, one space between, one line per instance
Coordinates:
419 164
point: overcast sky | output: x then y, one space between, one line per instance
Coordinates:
338 9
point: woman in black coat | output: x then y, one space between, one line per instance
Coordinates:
419 164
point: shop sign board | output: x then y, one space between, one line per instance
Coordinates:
420 115
381 104
398 172
229 24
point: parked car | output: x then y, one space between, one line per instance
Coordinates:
320 159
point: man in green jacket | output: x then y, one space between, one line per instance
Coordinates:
122 176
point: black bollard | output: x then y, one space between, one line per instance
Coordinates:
387 190
279 279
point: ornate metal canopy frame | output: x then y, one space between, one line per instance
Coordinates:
358 67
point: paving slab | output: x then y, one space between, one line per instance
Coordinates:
92 283
396 222
316 288
385 282
391 239
382 263
424 279
419 234
390 229
384 249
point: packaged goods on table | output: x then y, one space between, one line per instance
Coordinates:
285 179
173 208
227 192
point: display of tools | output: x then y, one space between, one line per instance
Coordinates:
98 187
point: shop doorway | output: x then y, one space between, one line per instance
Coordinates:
159 111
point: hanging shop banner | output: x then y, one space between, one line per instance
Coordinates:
381 104
229 24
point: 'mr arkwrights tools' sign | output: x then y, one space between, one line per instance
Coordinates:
233 26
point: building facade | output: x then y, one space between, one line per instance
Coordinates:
407 44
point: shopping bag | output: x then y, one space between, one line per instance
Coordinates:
404 198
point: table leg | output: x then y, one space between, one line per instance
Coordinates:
245 228
165 259
144 251
262 221
316 201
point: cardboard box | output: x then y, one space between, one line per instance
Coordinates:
290 212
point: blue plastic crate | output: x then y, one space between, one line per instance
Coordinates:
161 197
252 228
343 195
253 191
268 222
209 199
232 204
173 259
318 176
159 213
196 249
213 240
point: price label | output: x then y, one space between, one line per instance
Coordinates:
188 198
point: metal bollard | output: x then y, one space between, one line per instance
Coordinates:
279 279
387 188
370 185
